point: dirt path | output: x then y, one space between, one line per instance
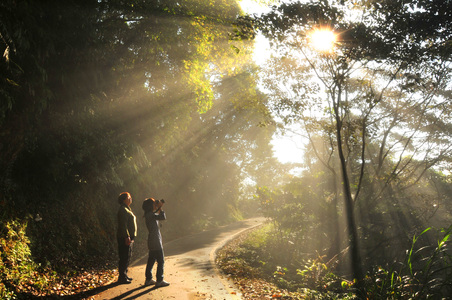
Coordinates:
189 267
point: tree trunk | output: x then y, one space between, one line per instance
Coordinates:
349 206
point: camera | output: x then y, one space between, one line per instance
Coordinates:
148 204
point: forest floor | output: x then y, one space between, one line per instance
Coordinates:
189 267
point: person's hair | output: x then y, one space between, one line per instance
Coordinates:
148 204
123 196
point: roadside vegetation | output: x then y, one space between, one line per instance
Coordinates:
22 278
260 268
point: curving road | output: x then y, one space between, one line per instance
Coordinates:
189 267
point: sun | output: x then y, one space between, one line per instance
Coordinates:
322 40
289 148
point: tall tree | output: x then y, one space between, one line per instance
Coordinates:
377 88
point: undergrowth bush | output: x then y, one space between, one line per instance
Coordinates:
425 273
18 271
258 257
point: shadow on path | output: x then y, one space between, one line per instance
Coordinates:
96 291
90 293
136 296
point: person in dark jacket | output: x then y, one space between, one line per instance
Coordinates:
127 231
153 213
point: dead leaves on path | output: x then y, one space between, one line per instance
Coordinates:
261 289
82 282
70 284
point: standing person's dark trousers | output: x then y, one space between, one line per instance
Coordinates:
155 255
125 253
127 231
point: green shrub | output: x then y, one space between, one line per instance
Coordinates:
426 273
18 271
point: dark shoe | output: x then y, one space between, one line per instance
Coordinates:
149 282
124 281
129 278
161 284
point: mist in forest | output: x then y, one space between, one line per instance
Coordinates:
156 99
164 99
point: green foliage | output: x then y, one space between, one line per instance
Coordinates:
18 272
249 259
425 273
299 257
314 273
303 214
257 257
